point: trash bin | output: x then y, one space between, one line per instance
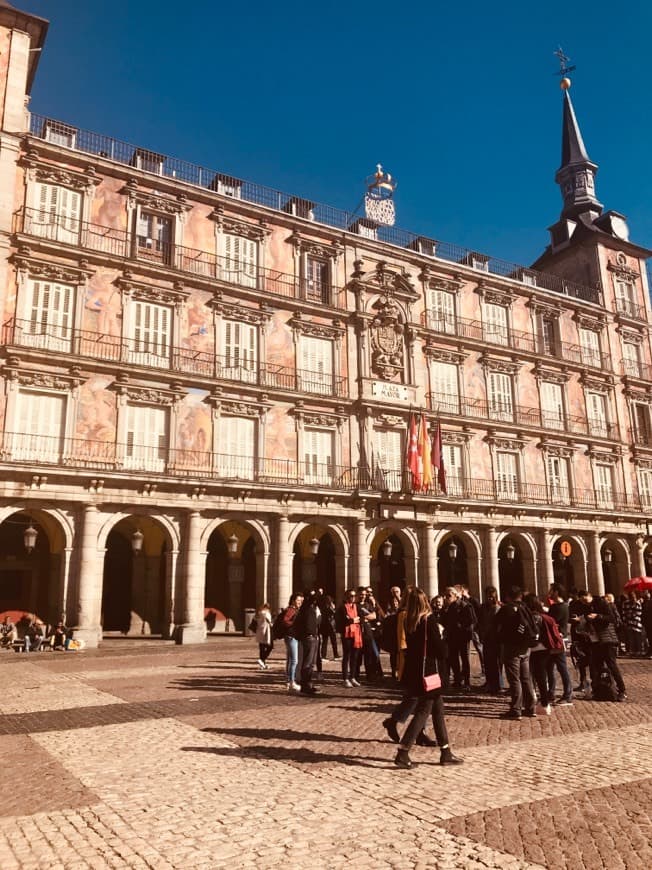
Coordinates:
249 614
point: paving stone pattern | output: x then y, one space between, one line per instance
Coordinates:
149 755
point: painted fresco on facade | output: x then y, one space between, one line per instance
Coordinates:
194 427
280 434
196 323
103 304
109 204
96 411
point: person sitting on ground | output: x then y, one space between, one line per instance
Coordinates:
34 635
61 636
264 635
8 633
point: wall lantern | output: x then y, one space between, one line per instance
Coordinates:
608 556
452 551
232 544
313 544
386 547
510 552
29 538
137 542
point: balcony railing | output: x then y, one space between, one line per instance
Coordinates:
106 348
630 309
631 368
125 245
474 330
126 459
66 136
520 415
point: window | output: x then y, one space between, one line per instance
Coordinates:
631 360
317 280
558 479
507 475
495 323
147 438
596 412
154 237
642 429
645 486
237 447
240 260
604 485
445 388
59 134
454 469
40 427
149 339
47 315
318 456
441 311
501 406
316 372
549 341
57 215
389 459
552 406
590 347
626 298
240 357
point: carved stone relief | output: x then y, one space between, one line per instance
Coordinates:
386 332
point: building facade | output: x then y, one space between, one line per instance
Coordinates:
205 388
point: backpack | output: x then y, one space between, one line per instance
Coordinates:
604 688
550 636
521 630
279 626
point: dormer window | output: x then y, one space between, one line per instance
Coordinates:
59 134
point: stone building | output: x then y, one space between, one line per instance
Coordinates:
205 388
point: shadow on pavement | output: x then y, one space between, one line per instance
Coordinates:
288 734
300 755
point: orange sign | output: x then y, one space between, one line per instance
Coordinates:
565 548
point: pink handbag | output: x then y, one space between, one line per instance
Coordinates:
432 681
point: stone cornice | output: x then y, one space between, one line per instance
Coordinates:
314 248
49 271
155 201
245 229
318 330
175 295
47 173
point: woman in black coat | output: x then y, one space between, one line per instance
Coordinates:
424 648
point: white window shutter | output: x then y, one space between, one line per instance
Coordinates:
500 396
453 466
442 311
507 477
41 425
318 455
552 405
237 447
316 365
445 387
147 437
495 322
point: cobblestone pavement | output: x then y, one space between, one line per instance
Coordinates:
143 754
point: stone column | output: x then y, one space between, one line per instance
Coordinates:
60 604
545 562
89 593
639 560
596 577
191 627
283 575
361 555
430 581
171 561
491 557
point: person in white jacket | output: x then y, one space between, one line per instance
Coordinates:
264 635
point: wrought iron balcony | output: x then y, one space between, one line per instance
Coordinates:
84 141
520 415
150 355
125 245
630 309
475 330
634 369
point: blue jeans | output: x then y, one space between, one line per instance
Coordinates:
560 662
291 658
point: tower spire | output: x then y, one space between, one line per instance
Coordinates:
576 175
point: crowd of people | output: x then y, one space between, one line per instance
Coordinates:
525 645
34 635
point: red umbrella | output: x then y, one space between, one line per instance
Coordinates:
638 583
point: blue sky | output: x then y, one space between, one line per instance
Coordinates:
457 100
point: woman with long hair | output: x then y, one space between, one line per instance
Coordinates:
424 648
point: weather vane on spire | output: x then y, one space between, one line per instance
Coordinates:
564 69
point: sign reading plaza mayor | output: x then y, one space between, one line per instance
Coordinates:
390 392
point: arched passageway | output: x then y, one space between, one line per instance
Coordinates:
133 583
29 567
452 563
230 584
314 565
391 567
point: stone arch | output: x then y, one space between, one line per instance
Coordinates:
617 572
331 571
470 539
523 571
403 565
34 582
573 571
137 585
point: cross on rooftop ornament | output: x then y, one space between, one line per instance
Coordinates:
564 69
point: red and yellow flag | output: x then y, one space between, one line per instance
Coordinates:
425 459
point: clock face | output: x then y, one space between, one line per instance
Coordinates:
619 228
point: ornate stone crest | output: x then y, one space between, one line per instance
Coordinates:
387 339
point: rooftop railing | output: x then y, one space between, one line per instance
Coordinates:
32 450
66 136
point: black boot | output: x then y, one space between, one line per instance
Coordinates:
424 740
403 759
447 757
390 726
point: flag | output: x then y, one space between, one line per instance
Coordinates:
438 458
413 454
425 459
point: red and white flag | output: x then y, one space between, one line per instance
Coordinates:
413 454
